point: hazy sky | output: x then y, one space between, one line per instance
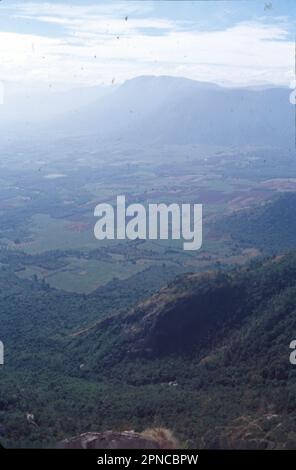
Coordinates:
80 43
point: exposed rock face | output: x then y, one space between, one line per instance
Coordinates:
117 440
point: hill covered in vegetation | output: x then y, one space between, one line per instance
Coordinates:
270 227
207 357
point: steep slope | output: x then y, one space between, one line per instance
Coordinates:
197 311
207 357
213 347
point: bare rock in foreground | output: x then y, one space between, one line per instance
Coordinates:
157 438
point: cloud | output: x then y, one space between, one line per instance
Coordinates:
98 45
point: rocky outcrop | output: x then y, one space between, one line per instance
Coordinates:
151 439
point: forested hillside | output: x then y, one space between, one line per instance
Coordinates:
270 227
207 357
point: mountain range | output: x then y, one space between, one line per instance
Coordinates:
163 110
170 110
